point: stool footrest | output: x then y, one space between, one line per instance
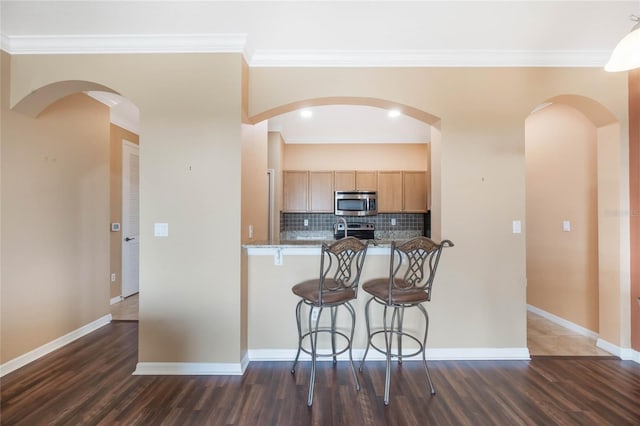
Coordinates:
396 333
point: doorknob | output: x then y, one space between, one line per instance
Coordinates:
129 239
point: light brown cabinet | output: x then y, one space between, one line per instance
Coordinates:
307 191
295 188
415 192
313 191
321 191
366 180
344 180
389 191
356 180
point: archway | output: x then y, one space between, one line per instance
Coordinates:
413 113
56 165
573 241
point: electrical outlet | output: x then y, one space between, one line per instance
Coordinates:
113 277
250 231
306 222
314 314
393 222
277 257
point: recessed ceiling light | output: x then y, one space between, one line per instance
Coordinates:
394 113
306 113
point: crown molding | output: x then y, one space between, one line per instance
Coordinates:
124 43
428 58
237 43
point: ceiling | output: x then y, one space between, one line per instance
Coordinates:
330 33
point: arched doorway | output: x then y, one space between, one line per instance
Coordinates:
56 216
572 245
430 122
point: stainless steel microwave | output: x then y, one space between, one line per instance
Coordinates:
356 203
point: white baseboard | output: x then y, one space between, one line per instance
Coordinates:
47 348
626 354
189 369
373 355
563 322
115 300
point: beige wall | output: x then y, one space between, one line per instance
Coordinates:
481 158
55 218
275 160
190 159
254 182
634 190
356 157
561 164
190 141
117 135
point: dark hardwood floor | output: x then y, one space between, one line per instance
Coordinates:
89 382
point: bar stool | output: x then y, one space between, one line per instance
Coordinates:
340 268
411 272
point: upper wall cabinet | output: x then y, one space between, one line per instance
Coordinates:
389 191
313 191
356 180
295 188
321 191
415 192
307 191
367 180
345 180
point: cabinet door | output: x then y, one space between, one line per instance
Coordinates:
295 188
415 191
344 180
389 191
321 191
366 180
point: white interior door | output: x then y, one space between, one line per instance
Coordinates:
130 218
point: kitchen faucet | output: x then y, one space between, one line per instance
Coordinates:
345 225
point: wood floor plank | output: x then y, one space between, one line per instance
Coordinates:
90 382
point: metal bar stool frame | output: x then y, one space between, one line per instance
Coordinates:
340 269
412 270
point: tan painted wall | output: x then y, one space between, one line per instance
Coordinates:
254 182
190 159
55 218
634 189
117 135
482 181
190 105
561 164
356 157
613 237
275 161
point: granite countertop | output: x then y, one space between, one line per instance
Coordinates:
308 243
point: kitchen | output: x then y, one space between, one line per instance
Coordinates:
318 167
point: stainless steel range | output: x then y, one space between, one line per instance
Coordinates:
363 231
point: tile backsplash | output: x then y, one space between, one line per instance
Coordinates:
320 225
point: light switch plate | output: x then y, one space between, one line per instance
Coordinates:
160 229
517 227
566 225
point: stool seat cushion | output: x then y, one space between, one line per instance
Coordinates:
379 288
308 290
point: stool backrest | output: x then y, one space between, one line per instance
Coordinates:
413 264
341 264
